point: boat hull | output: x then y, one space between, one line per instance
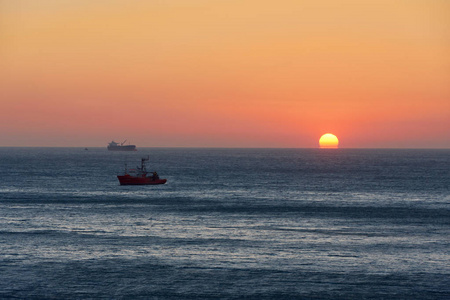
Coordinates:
133 180
122 148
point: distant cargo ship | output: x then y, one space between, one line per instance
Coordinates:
113 146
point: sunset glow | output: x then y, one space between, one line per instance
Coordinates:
225 73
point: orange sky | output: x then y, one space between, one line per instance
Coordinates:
225 73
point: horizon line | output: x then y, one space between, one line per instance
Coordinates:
218 147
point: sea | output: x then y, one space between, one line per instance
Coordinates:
228 224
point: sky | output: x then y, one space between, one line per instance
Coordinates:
225 73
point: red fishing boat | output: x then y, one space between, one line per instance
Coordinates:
140 176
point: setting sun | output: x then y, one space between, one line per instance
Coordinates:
328 140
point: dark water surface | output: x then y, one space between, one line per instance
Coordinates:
230 223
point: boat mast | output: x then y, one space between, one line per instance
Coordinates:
143 164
